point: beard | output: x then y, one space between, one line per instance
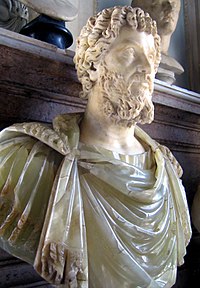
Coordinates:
125 103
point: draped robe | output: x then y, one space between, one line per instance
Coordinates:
85 216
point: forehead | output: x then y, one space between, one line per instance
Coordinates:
130 37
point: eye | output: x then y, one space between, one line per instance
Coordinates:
129 53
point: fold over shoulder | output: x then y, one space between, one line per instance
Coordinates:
27 171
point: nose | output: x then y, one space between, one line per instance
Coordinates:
142 69
145 66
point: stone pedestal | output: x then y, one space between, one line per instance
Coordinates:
168 68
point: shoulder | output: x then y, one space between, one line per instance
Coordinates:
165 151
35 131
169 155
28 168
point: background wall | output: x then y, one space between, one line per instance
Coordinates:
101 4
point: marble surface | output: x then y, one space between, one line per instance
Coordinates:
59 9
13 15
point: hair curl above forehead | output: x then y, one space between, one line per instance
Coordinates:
101 30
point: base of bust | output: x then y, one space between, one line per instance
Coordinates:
168 68
47 29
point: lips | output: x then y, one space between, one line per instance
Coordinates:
142 79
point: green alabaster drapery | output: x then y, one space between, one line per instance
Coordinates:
84 215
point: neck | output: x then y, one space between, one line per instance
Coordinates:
165 42
97 129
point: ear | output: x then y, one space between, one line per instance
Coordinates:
93 72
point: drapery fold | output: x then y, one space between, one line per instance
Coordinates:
91 215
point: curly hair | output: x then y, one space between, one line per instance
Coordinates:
100 31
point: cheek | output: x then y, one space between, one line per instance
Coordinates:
175 16
119 66
119 62
111 63
156 12
115 60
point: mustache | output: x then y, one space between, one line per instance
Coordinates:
118 83
142 79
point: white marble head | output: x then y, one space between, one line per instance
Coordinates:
165 13
98 35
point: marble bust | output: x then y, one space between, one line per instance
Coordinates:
166 14
94 201
13 15
58 9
